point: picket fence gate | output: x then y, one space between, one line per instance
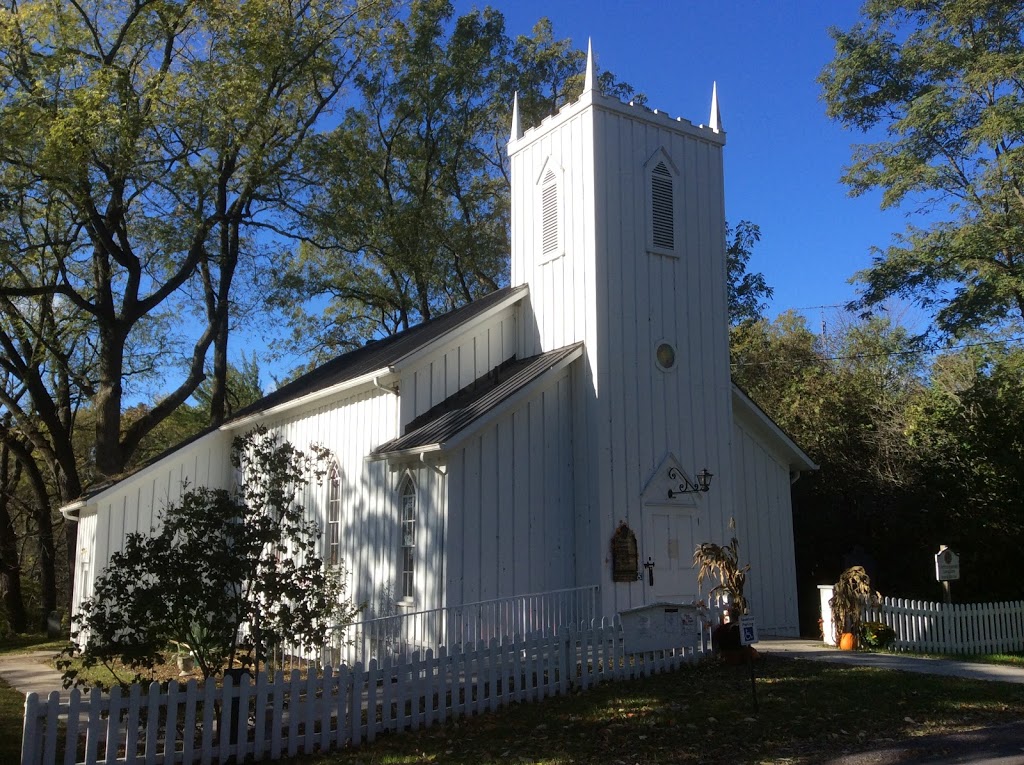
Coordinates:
283 715
960 628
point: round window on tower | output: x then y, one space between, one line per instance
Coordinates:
665 356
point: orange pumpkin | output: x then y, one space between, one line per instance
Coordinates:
847 641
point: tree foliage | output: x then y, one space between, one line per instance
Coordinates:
914 450
230 574
413 220
942 82
139 143
748 291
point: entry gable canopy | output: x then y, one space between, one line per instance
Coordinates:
450 421
664 484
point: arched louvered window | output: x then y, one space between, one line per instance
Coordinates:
661 204
550 244
332 553
408 550
663 230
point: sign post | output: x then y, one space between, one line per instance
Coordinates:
947 569
748 636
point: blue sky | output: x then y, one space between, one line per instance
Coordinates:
784 157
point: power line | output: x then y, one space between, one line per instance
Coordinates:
888 354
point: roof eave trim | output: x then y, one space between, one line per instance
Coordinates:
406 455
798 457
73 510
515 295
377 378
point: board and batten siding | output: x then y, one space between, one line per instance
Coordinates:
370 508
764 517
135 504
511 502
607 289
468 356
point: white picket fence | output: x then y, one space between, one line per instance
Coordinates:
961 628
930 627
283 715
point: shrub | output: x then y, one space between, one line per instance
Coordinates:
877 635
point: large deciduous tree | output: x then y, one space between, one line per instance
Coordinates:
160 132
941 81
414 217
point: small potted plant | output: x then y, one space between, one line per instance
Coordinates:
184 658
851 597
722 562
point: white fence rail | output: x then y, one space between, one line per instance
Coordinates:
963 628
283 715
400 635
957 628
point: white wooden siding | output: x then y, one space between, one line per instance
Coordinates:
621 300
468 357
350 428
136 503
764 519
511 503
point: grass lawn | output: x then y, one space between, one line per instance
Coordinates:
12 713
808 712
23 643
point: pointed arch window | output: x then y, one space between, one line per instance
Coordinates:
549 213
408 550
332 555
661 205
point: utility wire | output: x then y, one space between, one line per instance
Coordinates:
884 355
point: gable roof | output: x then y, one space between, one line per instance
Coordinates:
447 423
380 355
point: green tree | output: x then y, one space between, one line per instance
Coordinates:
161 131
243 388
748 292
845 400
942 82
966 427
414 218
230 574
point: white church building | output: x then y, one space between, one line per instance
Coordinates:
552 436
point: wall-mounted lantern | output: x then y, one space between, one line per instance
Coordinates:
686 486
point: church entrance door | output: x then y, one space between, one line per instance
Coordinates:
668 542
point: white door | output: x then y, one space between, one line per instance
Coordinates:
668 543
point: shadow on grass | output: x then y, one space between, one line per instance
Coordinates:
807 712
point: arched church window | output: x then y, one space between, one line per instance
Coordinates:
332 555
408 551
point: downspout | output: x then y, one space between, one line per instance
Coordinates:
394 392
70 512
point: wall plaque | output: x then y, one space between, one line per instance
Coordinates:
625 562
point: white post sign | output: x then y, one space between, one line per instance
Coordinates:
947 565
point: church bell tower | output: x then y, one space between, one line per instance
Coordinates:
618 228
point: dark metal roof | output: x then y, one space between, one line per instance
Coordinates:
375 355
471 403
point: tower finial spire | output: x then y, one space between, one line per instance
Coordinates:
715 120
589 79
517 130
